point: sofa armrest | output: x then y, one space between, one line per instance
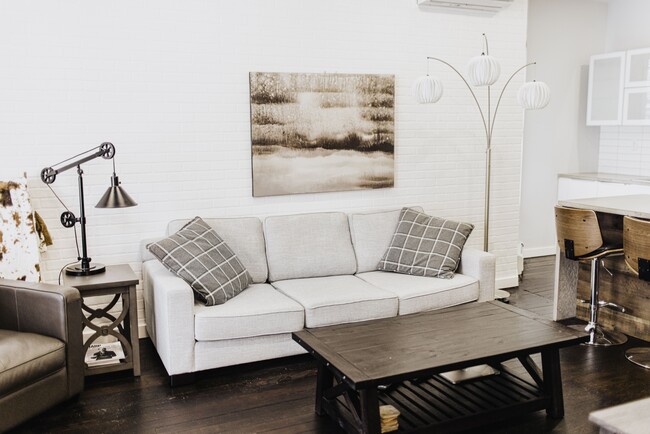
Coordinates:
169 311
482 266
49 310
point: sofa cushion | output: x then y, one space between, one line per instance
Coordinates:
26 358
257 311
200 257
419 294
371 236
309 245
339 299
425 246
244 236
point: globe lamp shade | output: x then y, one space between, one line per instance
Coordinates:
427 90
483 70
534 95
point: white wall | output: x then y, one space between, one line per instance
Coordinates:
627 25
167 82
562 34
626 149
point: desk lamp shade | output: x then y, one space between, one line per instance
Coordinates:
483 70
115 196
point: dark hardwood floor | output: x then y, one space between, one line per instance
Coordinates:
279 395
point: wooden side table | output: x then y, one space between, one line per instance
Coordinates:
118 281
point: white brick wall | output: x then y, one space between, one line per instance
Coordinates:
167 82
625 150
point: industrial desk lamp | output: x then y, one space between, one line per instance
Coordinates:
484 70
115 197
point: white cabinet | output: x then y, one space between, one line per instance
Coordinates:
571 188
637 70
619 88
605 96
636 99
636 106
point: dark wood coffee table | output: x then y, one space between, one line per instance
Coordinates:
397 360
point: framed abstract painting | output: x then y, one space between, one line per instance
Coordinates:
321 132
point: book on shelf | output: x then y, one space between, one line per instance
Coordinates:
104 354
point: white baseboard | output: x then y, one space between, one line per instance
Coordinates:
142 330
534 252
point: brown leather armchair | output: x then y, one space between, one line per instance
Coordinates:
41 349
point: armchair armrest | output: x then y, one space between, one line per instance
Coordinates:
169 310
48 310
482 266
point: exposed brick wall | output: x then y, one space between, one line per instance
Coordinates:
167 83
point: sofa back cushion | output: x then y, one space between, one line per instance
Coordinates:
244 236
372 234
309 245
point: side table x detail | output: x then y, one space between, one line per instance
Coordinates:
120 282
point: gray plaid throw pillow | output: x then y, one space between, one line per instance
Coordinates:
199 256
425 246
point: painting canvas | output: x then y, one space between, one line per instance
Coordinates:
321 132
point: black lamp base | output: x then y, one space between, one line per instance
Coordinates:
76 270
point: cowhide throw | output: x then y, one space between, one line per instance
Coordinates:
19 254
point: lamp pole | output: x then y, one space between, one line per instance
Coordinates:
488 125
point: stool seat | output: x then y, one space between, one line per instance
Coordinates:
580 239
602 252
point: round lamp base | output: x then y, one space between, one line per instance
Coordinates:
77 270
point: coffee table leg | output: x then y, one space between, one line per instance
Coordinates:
370 411
324 381
553 382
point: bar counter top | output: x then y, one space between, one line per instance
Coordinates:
608 177
635 205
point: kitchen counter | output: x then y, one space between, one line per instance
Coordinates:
635 205
618 285
607 177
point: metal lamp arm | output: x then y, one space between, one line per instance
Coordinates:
105 150
496 109
485 125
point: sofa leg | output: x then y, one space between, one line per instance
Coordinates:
181 379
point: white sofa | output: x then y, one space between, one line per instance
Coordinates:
308 270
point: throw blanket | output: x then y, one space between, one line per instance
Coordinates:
19 252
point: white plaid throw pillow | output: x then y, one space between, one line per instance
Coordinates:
199 256
423 245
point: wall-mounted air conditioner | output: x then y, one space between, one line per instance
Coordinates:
472 6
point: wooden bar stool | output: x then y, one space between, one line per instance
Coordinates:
580 239
636 244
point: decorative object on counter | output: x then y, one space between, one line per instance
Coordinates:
314 133
580 239
484 70
114 197
636 245
19 252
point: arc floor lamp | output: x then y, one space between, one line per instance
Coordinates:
484 70
114 197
